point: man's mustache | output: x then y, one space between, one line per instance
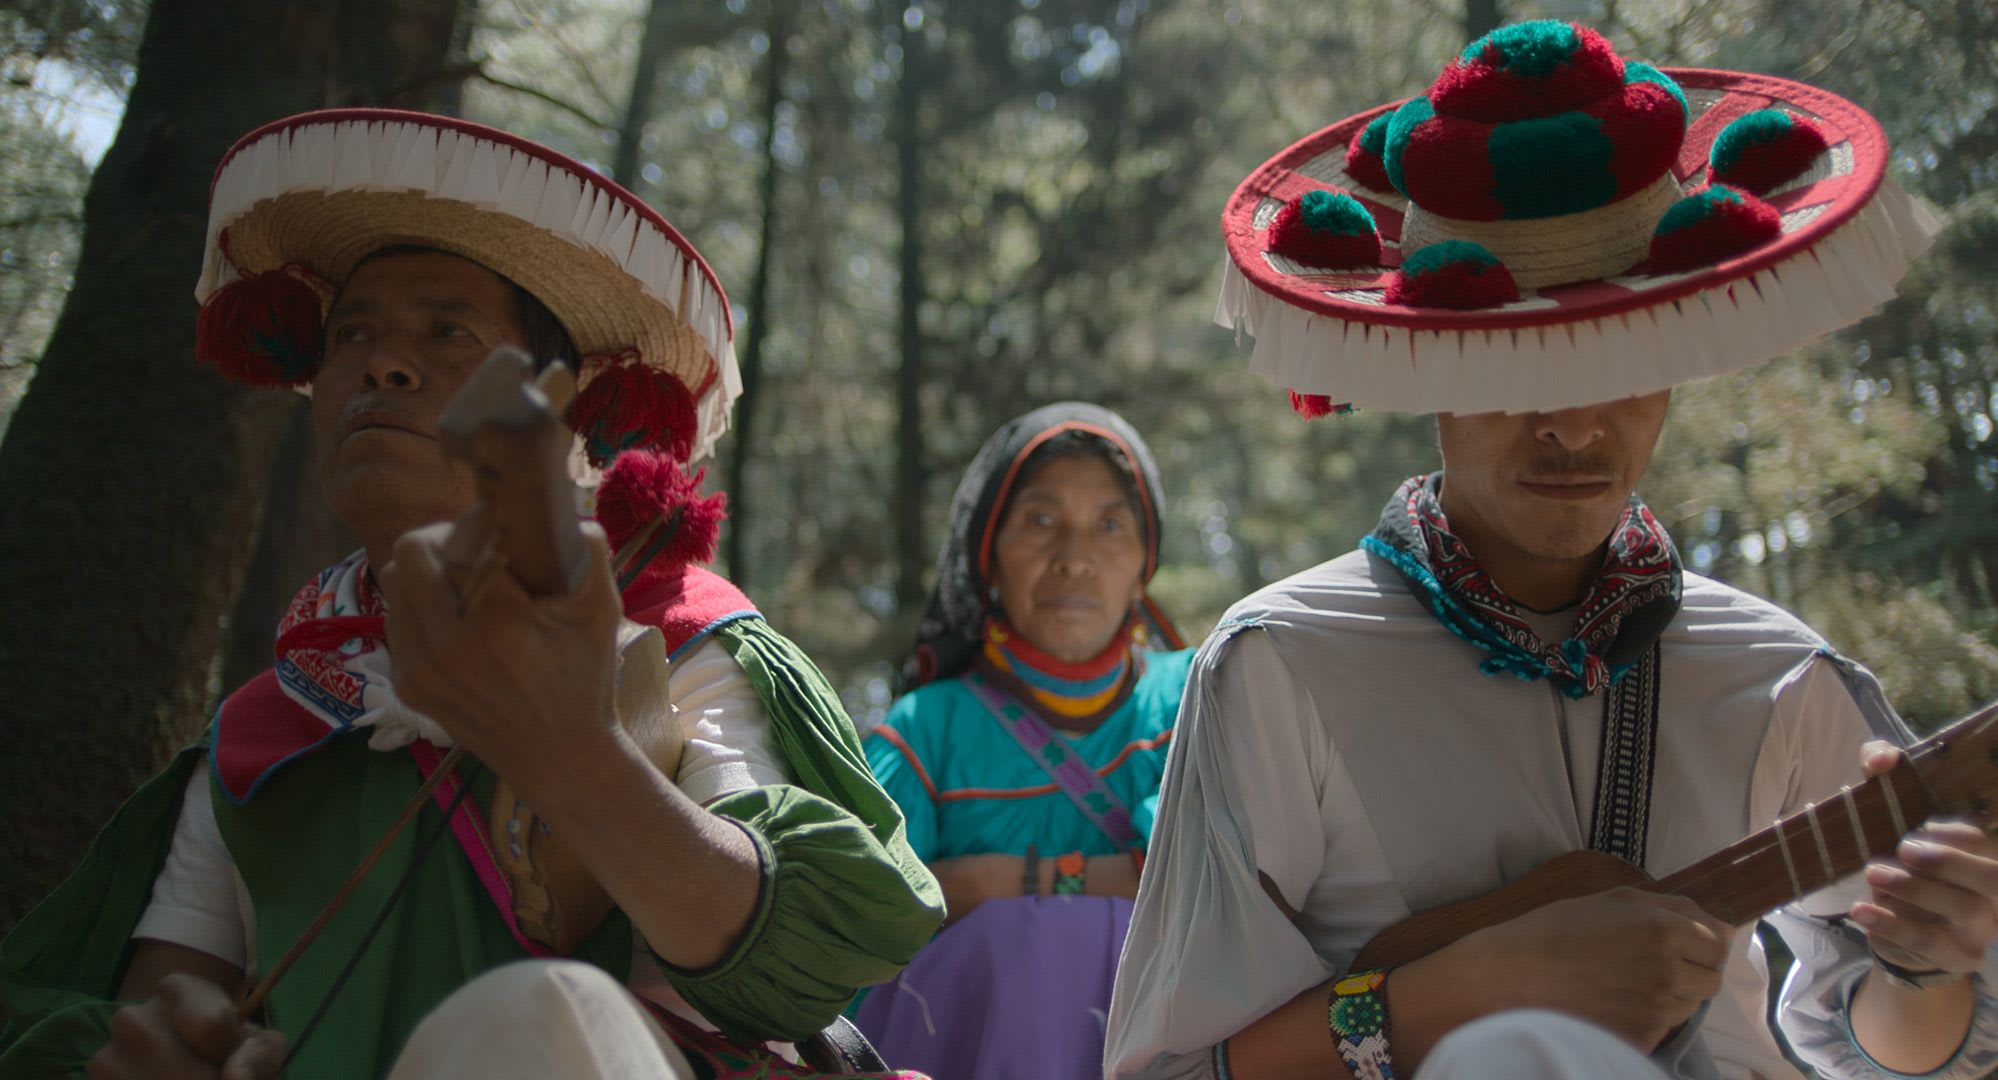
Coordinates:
1569 467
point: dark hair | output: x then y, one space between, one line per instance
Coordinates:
541 332
1074 444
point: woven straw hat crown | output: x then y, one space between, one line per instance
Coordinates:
297 204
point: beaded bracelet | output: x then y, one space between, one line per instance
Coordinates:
1358 1016
1069 871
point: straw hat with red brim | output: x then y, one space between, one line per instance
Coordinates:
295 205
1551 226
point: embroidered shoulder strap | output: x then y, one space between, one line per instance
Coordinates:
1623 778
1052 753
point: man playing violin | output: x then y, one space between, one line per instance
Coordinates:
756 875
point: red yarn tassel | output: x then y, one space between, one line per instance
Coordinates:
628 405
1313 406
266 329
642 487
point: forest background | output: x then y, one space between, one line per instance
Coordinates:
931 216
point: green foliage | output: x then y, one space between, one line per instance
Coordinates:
61 65
1075 156
41 196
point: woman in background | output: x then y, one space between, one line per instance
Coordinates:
1027 753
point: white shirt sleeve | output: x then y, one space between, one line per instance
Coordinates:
728 738
728 748
199 899
1208 951
1821 727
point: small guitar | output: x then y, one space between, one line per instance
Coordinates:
1954 773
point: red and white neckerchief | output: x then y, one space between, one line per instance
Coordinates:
333 658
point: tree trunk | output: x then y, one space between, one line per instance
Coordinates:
300 536
644 79
385 52
1481 17
669 27
759 300
133 481
910 555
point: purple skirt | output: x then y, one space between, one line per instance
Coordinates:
1018 989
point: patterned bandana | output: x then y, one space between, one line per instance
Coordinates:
333 659
1635 595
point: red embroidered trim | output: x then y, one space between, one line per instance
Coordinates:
909 754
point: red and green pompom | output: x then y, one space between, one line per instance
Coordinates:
1537 120
630 406
1452 274
1326 229
643 486
1764 149
1714 223
1526 70
1364 155
1313 406
267 329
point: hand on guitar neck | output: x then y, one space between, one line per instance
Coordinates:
1931 909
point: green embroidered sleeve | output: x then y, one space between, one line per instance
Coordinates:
844 902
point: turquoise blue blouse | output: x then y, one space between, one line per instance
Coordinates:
966 788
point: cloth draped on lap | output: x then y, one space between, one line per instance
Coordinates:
1000 993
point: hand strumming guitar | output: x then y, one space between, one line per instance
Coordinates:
1635 962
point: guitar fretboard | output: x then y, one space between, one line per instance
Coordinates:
1834 838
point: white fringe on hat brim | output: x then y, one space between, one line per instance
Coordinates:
453 166
1836 282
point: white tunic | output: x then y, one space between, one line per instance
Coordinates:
1336 737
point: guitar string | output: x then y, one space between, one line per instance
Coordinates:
1739 891
1858 829
1789 864
1893 804
1818 835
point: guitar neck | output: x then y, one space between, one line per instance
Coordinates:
1816 846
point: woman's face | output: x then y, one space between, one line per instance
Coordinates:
1069 557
